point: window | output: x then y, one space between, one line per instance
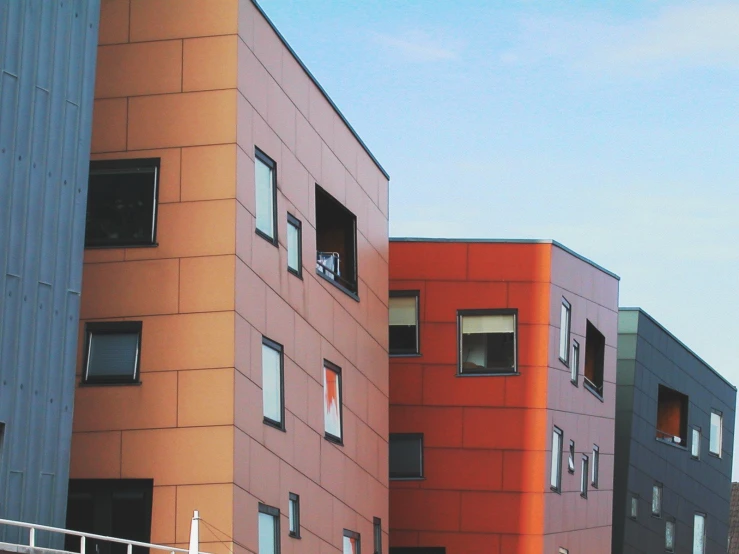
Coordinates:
699 534
112 352
595 351
265 183
695 443
564 551
332 402
294 515
571 458
657 499
716 438
273 389
672 416
595 468
564 332
269 530
403 322
575 363
634 506
2 440
122 203
336 242
670 535
377 531
352 543
294 245
406 455
487 342
584 477
555 476
111 507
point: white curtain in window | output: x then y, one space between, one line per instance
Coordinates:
699 534
265 197
403 310
350 545
267 534
271 386
475 324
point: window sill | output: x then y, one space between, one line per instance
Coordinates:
714 454
555 489
592 389
407 478
120 246
350 293
265 236
336 440
670 443
299 275
574 383
565 363
274 424
110 384
293 535
416 355
584 496
488 374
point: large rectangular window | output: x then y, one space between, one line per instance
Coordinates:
657 499
294 515
406 455
122 203
672 416
555 474
403 322
699 534
269 530
564 332
716 438
332 402
336 242
265 181
695 443
112 352
352 543
595 351
487 341
584 477
294 245
273 389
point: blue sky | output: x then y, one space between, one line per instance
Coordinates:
610 126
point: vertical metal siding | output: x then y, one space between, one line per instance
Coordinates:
47 72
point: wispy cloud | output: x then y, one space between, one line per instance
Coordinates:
419 46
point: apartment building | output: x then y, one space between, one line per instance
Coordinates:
502 398
674 444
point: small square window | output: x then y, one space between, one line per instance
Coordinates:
584 477
575 363
336 242
122 203
670 535
657 500
377 531
403 322
332 402
269 530
716 438
634 506
351 543
695 443
265 179
595 351
571 458
672 416
406 455
273 386
294 245
112 353
564 332
555 475
487 342
699 534
294 515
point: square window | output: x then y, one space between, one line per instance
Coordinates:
695 443
634 506
403 322
294 245
122 203
595 351
294 515
332 402
269 530
487 342
555 475
273 387
575 363
112 353
265 179
564 332
351 543
699 534
595 468
670 535
336 242
716 438
377 531
571 458
672 416
584 477
657 500
406 455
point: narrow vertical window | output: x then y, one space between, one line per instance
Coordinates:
332 402
695 443
584 477
269 530
294 515
714 446
273 390
634 506
595 466
555 475
352 544
670 535
699 534
575 363
571 458
564 332
377 531
294 245
266 195
403 322
657 499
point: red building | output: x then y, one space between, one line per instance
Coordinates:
502 393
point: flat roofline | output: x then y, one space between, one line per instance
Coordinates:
513 241
320 88
681 343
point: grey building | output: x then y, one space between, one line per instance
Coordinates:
674 444
47 72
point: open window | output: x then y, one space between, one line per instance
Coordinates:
595 352
112 352
487 342
265 180
336 242
403 322
672 416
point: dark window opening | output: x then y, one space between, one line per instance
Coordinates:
672 416
122 203
487 342
336 242
112 352
377 533
403 323
406 455
595 351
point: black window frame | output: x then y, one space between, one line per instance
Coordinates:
277 347
575 363
275 513
352 535
297 224
568 306
460 346
111 328
408 477
124 166
595 467
417 351
377 534
294 501
571 458
585 477
326 435
557 431
269 162
599 365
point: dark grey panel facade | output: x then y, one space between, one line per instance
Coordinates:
47 71
650 356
